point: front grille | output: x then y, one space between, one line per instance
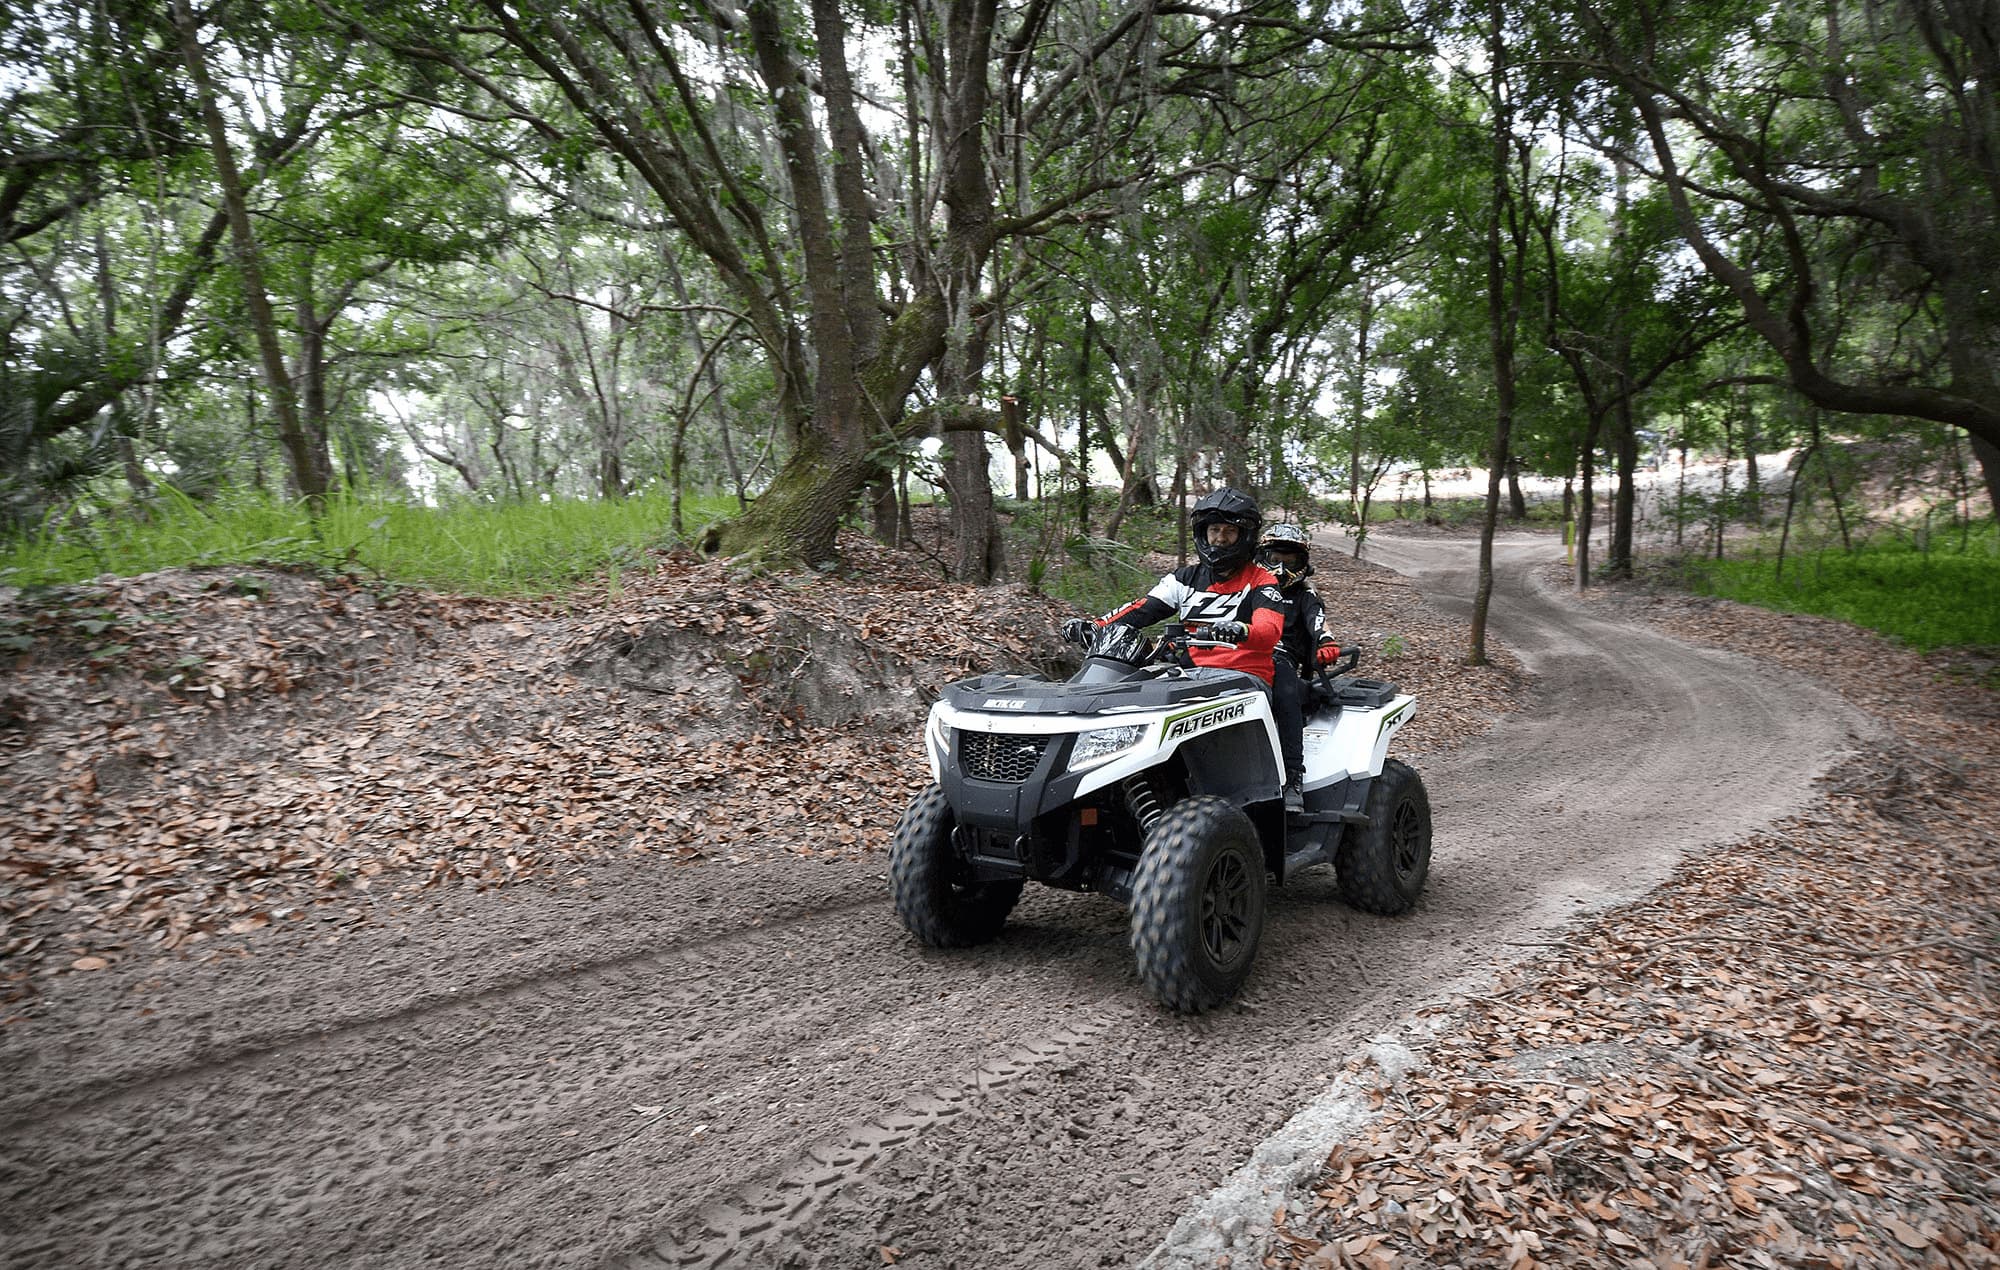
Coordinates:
1000 756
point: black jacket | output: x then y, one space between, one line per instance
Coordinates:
1305 627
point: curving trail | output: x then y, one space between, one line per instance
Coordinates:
754 1066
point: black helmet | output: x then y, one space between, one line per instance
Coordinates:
1286 538
1234 507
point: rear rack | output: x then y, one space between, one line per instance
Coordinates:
1354 693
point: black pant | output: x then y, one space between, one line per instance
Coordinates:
1288 706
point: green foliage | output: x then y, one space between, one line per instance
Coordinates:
1942 598
1098 575
475 548
1092 572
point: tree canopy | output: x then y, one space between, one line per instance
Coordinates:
517 249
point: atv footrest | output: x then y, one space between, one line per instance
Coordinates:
1327 818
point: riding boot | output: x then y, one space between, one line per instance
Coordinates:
1295 793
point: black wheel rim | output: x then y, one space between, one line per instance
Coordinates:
1406 839
1225 909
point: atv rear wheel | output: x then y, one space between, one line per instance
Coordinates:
1198 904
1382 866
935 892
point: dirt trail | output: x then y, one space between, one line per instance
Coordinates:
754 1066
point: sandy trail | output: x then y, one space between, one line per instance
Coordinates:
755 1066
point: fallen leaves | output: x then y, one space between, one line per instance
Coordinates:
436 742
1782 1057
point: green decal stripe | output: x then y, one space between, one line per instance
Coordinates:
1391 717
1172 719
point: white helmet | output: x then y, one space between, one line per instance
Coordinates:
1286 539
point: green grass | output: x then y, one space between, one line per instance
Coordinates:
1461 513
468 548
1940 599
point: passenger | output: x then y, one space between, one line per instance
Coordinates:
1304 645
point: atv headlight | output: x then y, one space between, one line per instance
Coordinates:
1098 744
940 737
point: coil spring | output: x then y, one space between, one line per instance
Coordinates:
1143 801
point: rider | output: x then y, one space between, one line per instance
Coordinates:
1304 643
1226 596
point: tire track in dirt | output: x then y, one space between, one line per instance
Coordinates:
687 1067
752 1222
151 1077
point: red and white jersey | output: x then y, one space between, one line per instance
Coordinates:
1194 596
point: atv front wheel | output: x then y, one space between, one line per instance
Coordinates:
1383 865
1198 904
936 895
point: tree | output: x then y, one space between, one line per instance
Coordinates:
1506 270
1837 174
1056 97
310 468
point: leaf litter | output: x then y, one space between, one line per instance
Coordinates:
1785 1056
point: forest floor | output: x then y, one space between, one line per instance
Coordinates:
1783 1056
237 795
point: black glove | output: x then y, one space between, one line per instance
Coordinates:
1228 632
1077 629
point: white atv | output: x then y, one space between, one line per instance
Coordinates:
1159 784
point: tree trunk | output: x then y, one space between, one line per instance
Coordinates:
314 400
800 513
1503 315
1722 492
1989 468
1358 400
1017 444
977 555
136 480
1753 484
676 474
1569 514
1083 423
859 399
884 510
802 510
705 365
1832 488
1681 498
1792 500
310 465
1626 440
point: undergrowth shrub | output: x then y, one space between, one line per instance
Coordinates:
1945 597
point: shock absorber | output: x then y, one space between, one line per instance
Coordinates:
1143 801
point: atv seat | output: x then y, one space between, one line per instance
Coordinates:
1359 694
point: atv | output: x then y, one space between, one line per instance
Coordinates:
1158 783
